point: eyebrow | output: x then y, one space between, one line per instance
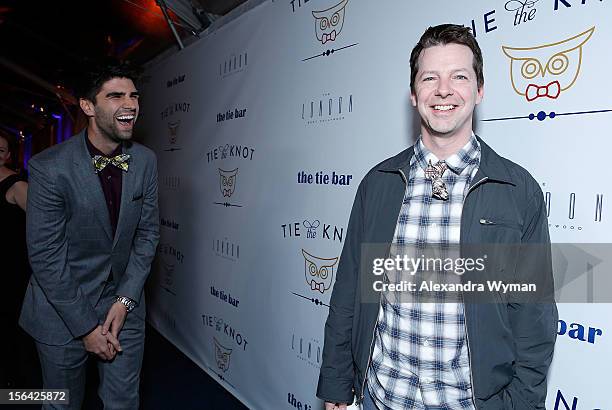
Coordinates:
120 94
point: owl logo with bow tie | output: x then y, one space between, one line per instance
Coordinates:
545 71
319 272
168 272
222 356
173 131
227 181
329 22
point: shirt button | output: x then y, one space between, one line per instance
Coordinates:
110 202
427 380
433 225
426 342
108 177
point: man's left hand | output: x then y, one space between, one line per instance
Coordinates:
115 319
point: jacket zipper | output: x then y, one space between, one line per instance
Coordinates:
467 335
365 375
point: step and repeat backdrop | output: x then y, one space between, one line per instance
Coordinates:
264 128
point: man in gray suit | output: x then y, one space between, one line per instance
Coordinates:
92 231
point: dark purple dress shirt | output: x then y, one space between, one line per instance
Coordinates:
110 180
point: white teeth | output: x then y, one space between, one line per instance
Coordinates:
443 107
125 117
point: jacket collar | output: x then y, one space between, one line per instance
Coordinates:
491 165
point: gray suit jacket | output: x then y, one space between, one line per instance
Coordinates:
70 242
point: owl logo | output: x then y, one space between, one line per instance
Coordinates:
173 129
222 355
319 272
168 272
329 22
227 182
545 71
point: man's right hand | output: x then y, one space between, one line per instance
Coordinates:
104 346
335 406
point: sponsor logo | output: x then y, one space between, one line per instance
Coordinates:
328 25
327 108
170 182
297 404
329 22
231 115
319 272
175 108
310 230
223 360
175 81
169 257
579 332
174 123
222 356
224 297
227 181
224 248
547 70
233 64
228 177
171 252
230 151
324 178
524 10
225 330
168 223
173 127
307 349
571 211
227 186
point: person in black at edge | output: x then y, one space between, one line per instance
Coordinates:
19 368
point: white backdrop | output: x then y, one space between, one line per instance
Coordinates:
264 128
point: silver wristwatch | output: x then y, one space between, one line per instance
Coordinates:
127 302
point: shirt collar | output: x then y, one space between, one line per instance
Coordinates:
469 154
93 151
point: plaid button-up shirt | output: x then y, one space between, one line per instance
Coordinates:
420 357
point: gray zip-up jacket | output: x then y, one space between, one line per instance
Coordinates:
510 342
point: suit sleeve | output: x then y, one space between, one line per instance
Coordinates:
534 322
337 372
48 251
145 239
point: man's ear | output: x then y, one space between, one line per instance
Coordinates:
87 107
413 99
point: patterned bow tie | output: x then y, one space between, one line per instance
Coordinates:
121 161
434 173
550 90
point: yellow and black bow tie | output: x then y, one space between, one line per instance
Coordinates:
121 161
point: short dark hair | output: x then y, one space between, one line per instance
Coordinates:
91 82
442 35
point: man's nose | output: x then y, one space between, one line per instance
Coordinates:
444 88
130 103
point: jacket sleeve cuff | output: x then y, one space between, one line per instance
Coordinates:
335 390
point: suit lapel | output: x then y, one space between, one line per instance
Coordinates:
89 184
127 189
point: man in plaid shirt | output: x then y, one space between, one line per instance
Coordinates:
420 355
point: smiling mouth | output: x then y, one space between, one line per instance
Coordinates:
446 107
127 119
